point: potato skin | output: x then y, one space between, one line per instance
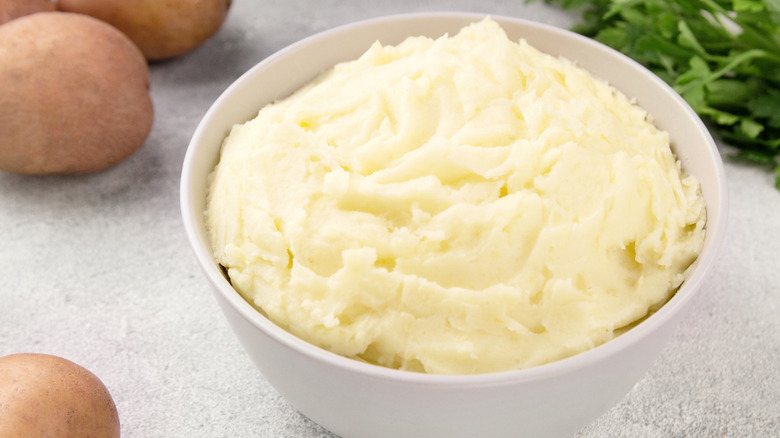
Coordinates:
47 396
13 9
162 29
74 95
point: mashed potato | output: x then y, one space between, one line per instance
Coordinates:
459 205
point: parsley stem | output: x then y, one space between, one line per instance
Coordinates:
736 61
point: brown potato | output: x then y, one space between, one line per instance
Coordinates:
13 9
161 28
74 95
47 396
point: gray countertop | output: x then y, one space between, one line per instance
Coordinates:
96 269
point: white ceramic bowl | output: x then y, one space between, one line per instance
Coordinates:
355 399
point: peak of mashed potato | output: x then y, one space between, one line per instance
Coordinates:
457 205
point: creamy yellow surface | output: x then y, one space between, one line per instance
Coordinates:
459 205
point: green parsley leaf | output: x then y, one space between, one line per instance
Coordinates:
767 106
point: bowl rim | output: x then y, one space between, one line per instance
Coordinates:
645 328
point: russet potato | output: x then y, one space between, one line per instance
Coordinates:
74 95
161 28
43 395
13 9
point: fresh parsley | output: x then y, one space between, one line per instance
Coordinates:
721 56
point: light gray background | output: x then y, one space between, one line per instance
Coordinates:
96 269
